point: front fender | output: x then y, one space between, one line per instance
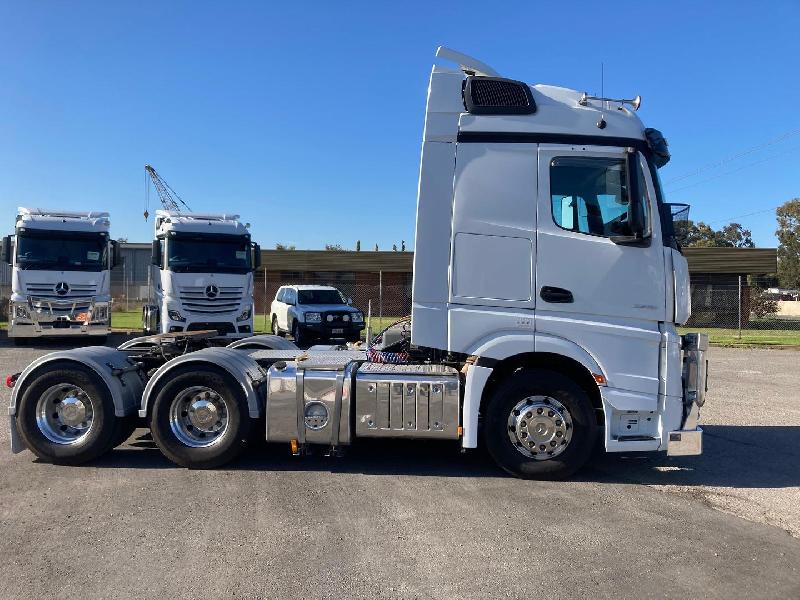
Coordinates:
246 371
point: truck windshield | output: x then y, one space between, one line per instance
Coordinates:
207 254
319 297
61 251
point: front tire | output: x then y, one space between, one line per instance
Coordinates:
297 334
275 329
199 418
66 416
539 424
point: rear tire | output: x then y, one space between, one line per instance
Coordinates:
540 424
46 415
199 418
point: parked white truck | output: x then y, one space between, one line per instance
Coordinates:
547 289
61 274
201 275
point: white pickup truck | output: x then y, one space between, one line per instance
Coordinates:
315 313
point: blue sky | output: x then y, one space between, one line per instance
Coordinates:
315 110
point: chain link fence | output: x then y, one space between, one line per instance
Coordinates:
385 297
742 310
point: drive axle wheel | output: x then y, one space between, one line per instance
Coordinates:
66 415
199 418
540 424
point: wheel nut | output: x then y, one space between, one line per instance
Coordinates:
558 422
542 447
553 443
528 414
539 411
559 434
550 413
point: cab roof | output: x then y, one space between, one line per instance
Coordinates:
62 220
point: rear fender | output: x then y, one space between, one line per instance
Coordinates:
126 388
263 342
245 371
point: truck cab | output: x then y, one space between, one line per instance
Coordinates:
543 239
61 266
201 275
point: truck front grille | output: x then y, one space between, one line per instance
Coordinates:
74 290
196 299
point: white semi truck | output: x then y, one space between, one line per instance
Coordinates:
548 284
61 274
201 276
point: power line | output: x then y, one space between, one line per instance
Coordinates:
732 157
758 212
745 166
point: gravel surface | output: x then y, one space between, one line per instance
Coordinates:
395 520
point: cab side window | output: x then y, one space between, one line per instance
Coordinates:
590 195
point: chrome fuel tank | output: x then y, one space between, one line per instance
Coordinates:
309 400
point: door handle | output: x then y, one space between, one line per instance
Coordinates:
556 295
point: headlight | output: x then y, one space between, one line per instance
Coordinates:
100 313
175 315
21 312
357 317
244 316
311 317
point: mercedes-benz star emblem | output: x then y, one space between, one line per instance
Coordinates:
212 291
62 288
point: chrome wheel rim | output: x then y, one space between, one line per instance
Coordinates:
198 417
540 427
65 414
275 330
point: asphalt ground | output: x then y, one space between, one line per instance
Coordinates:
411 520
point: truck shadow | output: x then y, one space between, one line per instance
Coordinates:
734 456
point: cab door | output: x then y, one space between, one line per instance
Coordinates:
595 286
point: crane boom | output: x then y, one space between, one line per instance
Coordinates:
170 199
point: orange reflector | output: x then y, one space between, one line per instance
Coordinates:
600 379
82 317
294 446
460 431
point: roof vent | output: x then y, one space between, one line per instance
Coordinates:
498 96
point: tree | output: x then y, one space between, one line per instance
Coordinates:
402 245
358 245
279 246
761 305
788 234
376 247
733 235
334 247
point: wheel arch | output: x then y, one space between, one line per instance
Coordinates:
244 370
559 363
485 375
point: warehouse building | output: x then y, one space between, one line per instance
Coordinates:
383 279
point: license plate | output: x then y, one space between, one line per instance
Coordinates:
337 330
